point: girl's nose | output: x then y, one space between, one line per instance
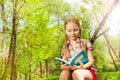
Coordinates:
73 32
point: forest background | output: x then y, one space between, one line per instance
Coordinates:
32 35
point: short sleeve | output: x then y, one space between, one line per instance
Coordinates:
89 45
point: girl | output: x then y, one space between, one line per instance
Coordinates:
73 44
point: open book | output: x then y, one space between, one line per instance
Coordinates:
80 56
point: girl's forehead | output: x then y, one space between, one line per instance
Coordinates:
71 24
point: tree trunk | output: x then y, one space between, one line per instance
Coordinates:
10 67
40 69
112 58
95 35
4 40
111 48
12 51
30 64
25 76
47 70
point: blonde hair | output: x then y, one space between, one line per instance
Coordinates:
65 50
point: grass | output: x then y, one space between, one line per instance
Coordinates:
109 75
100 76
48 78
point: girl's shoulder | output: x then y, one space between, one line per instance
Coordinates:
85 41
88 44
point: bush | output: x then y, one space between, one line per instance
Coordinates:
109 75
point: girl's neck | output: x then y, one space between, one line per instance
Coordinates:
73 42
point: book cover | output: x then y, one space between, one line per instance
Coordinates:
80 56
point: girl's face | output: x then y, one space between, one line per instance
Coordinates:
72 31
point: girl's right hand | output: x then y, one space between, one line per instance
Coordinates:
65 67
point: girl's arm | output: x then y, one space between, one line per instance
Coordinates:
88 64
65 67
91 60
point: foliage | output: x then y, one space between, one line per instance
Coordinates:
40 36
109 75
103 63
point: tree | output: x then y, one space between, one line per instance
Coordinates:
4 36
95 35
10 67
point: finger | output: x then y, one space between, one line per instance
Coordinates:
81 63
77 66
65 64
74 65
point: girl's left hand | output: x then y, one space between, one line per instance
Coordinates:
75 67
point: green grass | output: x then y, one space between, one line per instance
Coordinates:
48 78
109 75
100 76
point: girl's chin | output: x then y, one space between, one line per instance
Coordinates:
73 38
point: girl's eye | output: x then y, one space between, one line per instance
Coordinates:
75 29
69 31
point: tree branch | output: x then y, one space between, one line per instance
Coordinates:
102 33
21 6
94 37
